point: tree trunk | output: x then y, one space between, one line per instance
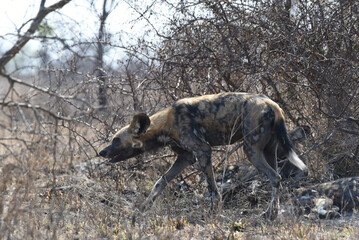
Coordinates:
100 72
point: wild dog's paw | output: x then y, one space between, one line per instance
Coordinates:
214 198
272 211
269 214
146 205
143 207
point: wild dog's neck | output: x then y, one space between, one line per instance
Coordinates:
155 140
159 131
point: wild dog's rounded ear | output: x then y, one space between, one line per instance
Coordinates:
140 123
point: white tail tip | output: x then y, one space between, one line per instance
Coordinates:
293 158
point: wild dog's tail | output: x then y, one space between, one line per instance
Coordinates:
287 145
283 138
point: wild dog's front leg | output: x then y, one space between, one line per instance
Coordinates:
196 143
204 159
183 160
202 152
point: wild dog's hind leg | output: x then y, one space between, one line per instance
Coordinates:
257 158
256 138
270 154
183 160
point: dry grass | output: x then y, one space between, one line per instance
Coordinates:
41 199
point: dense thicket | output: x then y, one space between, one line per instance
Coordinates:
304 56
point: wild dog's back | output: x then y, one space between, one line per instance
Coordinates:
218 118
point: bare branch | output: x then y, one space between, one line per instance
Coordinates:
34 107
43 12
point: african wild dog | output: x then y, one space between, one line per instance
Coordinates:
192 125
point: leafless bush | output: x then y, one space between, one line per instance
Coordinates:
303 56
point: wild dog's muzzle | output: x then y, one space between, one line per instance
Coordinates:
116 155
106 153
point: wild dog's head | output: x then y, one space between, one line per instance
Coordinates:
126 142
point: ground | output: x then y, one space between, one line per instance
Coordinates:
97 200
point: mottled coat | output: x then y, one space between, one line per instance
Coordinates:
191 126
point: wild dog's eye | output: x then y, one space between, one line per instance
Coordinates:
116 141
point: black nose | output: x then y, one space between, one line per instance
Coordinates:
103 153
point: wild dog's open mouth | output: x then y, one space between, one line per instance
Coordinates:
115 158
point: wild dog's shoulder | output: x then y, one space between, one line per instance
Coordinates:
162 119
